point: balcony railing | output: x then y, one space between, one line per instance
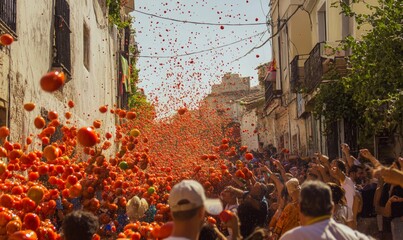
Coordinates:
62 36
8 16
297 72
313 67
271 92
325 62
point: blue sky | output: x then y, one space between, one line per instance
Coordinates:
174 82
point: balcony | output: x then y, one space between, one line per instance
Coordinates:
323 63
297 72
8 16
270 92
313 67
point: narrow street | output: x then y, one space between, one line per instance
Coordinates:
124 119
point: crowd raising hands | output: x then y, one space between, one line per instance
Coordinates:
283 198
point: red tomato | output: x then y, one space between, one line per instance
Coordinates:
23 235
211 220
52 115
43 169
71 179
70 104
32 221
108 135
131 115
226 215
5 217
32 176
249 156
6 39
29 106
39 122
87 137
67 115
6 201
35 193
51 152
4 132
52 81
13 226
182 111
97 123
103 109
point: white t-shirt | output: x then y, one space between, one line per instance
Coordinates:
327 229
343 214
348 186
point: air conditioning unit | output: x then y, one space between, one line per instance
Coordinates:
309 5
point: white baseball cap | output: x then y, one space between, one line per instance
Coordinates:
192 194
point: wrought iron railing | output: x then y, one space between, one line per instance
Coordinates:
62 36
297 72
8 15
313 67
270 92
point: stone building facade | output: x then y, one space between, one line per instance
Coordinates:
73 36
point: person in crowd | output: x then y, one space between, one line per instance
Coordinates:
136 208
338 171
252 212
80 225
188 204
230 203
357 175
316 207
341 213
389 202
289 217
367 222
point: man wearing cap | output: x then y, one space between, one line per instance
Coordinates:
315 207
188 203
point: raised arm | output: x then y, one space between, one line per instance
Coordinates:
347 156
367 154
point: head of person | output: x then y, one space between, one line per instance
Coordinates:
188 203
339 164
261 144
293 188
315 200
357 174
337 193
258 191
80 225
228 197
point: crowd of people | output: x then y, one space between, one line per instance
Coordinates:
314 198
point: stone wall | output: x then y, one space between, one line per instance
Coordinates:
31 56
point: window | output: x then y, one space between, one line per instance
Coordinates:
8 16
3 116
86 46
62 55
322 31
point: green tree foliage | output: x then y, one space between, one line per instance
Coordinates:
372 91
114 7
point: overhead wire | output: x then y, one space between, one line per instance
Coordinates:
200 23
205 50
225 45
272 36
